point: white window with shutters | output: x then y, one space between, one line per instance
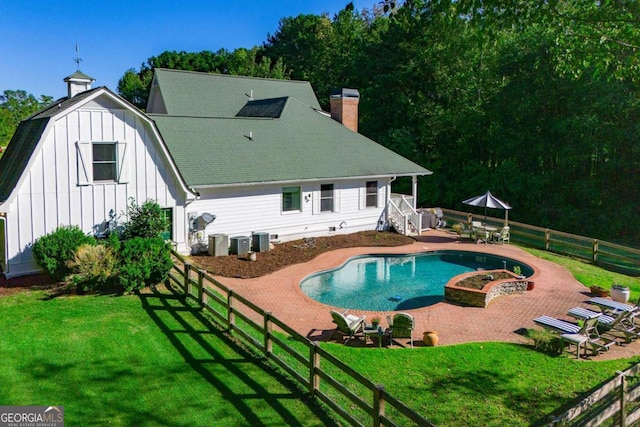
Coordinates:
102 162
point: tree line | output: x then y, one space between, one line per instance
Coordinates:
536 101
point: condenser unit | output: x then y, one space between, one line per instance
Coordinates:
218 245
240 245
260 242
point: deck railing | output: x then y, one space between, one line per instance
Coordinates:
403 217
360 403
604 254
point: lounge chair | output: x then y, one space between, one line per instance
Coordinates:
607 305
618 317
558 325
586 335
620 323
401 325
347 324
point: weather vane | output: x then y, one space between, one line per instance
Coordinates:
77 59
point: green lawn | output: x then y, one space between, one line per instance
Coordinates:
143 361
589 274
152 360
487 384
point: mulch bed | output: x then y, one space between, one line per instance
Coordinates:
294 252
282 255
32 281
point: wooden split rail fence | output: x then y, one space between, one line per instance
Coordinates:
360 402
614 403
610 256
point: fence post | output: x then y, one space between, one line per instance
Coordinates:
231 317
378 404
623 399
595 251
187 280
547 239
268 327
200 286
314 378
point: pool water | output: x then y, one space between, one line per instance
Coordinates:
398 282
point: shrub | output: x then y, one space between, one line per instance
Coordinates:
94 267
144 221
545 341
53 251
143 262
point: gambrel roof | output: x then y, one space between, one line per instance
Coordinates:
32 130
241 138
26 138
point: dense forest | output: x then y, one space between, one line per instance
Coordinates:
536 101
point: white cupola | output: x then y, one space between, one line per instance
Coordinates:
78 82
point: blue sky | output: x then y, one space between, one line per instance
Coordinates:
38 37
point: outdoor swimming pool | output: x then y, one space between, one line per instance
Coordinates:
398 282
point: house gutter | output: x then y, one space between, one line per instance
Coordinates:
298 181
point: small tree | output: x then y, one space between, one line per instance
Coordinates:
144 221
143 262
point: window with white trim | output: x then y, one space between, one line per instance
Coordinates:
102 162
105 166
326 198
371 195
291 199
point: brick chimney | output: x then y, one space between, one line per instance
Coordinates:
344 107
78 82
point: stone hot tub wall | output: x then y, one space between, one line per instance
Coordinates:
481 297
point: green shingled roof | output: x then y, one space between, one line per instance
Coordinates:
303 144
187 93
19 151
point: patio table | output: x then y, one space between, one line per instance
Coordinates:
370 331
491 230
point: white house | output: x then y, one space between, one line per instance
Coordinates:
258 155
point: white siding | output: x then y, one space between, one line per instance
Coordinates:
49 195
241 211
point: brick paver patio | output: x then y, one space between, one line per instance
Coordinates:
555 292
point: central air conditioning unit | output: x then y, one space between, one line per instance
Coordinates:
260 242
240 245
218 245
